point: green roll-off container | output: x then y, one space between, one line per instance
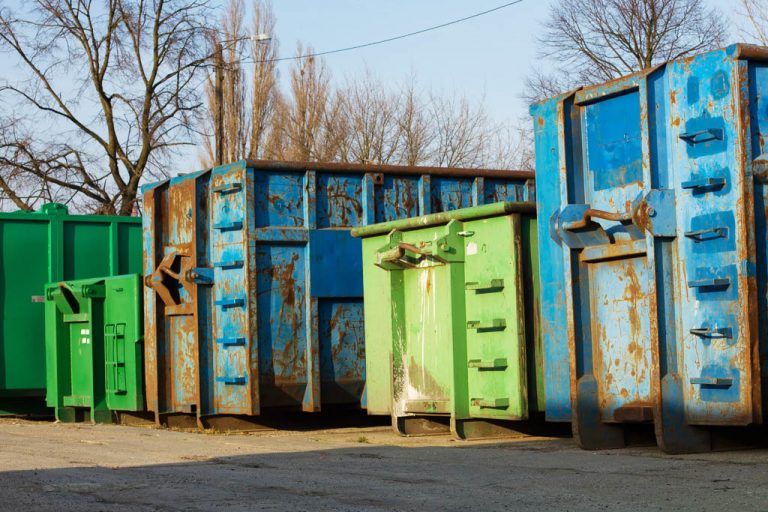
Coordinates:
451 320
39 248
93 345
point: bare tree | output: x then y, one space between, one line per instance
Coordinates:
246 103
461 132
264 80
336 141
597 40
756 14
540 85
372 112
134 65
416 127
32 172
225 91
297 130
511 147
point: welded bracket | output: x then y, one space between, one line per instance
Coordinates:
655 212
164 274
399 255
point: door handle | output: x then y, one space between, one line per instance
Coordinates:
702 183
592 213
713 381
702 135
700 235
709 282
708 332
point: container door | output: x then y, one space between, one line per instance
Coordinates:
172 351
607 271
715 243
123 344
426 282
496 357
74 318
234 376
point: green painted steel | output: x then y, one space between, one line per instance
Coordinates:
486 210
39 248
451 320
93 342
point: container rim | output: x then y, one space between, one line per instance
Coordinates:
434 219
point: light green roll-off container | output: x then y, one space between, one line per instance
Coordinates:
452 321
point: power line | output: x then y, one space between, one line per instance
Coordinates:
389 39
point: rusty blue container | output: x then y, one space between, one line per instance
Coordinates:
254 287
652 208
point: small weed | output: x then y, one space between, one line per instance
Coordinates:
362 439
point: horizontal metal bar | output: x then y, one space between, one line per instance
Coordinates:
700 136
613 251
226 188
493 284
698 236
497 324
592 213
493 403
612 88
229 264
229 226
709 282
712 381
477 212
230 302
498 363
707 332
231 380
231 342
700 183
272 165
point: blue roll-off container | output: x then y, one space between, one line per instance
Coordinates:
254 294
652 208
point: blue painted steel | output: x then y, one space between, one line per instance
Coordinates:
653 263
254 284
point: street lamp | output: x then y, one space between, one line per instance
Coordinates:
259 38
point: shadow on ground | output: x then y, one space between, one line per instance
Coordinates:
520 475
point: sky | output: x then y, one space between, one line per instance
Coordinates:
485 59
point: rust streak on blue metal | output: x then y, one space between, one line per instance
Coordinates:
662 296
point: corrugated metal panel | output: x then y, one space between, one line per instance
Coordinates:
655 249
255 285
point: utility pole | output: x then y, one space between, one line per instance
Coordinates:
218 62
